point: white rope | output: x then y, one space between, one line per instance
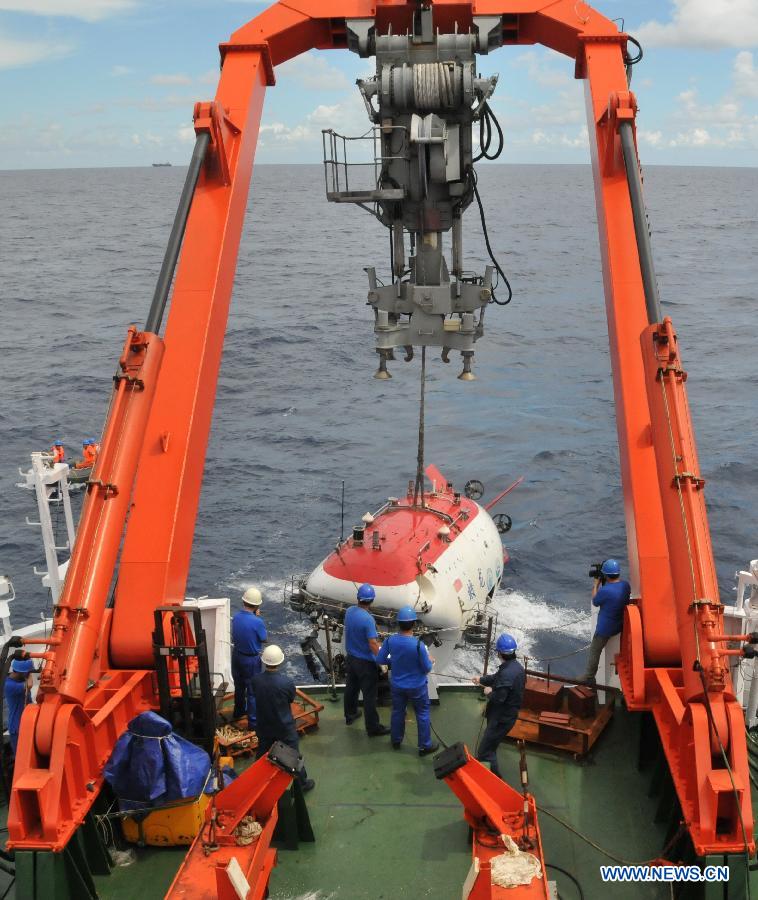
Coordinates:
435 85
514 867
247 831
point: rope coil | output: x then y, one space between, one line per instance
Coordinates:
247 831
437 85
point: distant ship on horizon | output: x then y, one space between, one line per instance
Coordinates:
157 165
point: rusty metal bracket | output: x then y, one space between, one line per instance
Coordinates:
137 383
671 370
697 482
109 488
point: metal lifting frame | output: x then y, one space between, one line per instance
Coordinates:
153 452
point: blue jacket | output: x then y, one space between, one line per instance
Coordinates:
409 659
507 694
248 633
274 692
16 697
611 598
359 628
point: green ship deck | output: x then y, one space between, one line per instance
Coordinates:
386 828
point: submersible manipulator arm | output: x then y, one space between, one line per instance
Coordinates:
146 484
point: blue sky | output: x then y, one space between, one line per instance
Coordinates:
113 82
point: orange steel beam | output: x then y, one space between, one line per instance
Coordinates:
492 808
667 532
204 872
706 689
66 739
656 661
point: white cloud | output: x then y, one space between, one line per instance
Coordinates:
88 10
301 139
542 138
15 52
566 109
186 134
209 77
120 71
171 78
725 112
147 139
745 75
696 137
288 134
705 23
155 104
540 71
729 123
313 73
651 138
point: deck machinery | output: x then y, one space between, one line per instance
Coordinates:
138 520
422 102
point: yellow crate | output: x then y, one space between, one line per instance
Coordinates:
168 826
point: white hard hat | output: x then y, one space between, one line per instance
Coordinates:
272 656
252 597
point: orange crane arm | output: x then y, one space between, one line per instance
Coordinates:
146 484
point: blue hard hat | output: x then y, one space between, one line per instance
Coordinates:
506 643
57 441
23 665
366 593
406 614
85 443
611 567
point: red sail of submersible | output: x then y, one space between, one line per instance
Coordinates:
440 552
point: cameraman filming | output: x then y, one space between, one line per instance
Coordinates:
611 595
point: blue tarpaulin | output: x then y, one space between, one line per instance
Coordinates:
150 765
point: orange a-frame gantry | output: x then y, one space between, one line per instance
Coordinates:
146 484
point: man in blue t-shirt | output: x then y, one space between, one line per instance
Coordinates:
18 686
361 672
248 636
410 665
611 595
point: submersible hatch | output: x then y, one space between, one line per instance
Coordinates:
422 103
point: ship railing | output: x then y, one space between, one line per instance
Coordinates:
355 169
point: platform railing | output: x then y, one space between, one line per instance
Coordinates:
338 168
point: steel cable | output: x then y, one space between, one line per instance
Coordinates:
419 486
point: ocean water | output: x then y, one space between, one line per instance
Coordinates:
298 411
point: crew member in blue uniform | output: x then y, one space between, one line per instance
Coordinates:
361 671
248 635
274 694
410 664
505 693
611 595
18 687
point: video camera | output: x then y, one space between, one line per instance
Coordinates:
595 572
